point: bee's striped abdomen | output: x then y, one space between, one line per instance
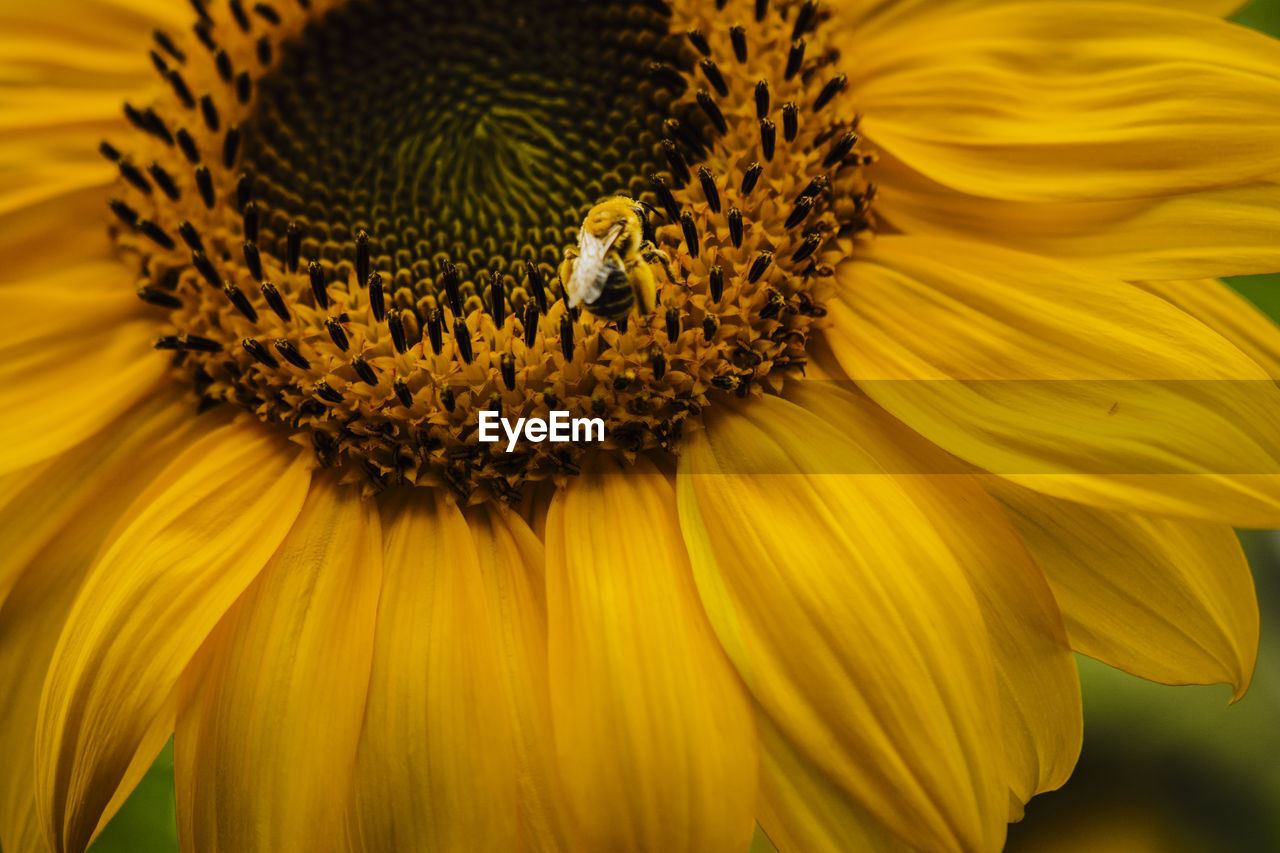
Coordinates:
617 297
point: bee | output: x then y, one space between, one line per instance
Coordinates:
608 272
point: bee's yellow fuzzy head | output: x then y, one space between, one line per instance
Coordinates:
618 210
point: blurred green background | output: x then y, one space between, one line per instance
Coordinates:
1164 769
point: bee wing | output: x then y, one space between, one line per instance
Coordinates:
589 272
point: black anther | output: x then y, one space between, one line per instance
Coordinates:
566 337
435 329
735 227
403 394
363 370
398 339
316 273
829 91
768 136
190 236
462 337
738 36
530 324
709 107
714 77
260 353
699 41
210 113
271 293
841 149
795 59
679 169
204 182
156 296
451 288
201 262
325 392
241 302
758 266
253 260
804 205
188 146
156 233
293 246
534 276
709 188
690 229
665 198
377 304
507 366
291 354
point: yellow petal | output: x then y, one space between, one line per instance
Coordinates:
1079 386
60 231
511 566
40 503
1214 232
1039 688
122 25
65 71
437 763
72 367
653 731
867 17
1227 313
801 809
188 548
1125 105
850 620
52 527
1167 600
266 744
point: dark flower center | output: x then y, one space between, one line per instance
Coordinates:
471 134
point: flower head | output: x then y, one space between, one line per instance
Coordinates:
362 244
935 389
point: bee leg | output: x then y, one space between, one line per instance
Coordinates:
645 289
653 255
565 270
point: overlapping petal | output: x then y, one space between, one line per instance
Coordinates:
511 562
438 764
1039 688
266 737
184 552
1227 313
1214 232
1165 599
1131 101
868 17
65 71
802 809
52 528
77 360
653 730
850 620
1080 386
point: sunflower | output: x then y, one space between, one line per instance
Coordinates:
939 388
